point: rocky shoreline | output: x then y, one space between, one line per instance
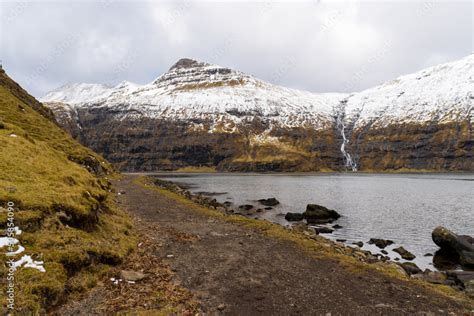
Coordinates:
317 217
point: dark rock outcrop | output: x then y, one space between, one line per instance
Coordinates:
414 146
294 217
317 214
152 144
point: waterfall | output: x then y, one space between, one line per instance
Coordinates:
349 163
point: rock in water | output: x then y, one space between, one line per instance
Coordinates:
405 254
381 243
461 245
246 207
446 239
294 217
269 202
317 214
323 230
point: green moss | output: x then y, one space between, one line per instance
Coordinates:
86 279
60 190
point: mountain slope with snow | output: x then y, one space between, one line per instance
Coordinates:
441 93
192 90
198 114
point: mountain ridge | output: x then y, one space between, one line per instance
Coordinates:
207 99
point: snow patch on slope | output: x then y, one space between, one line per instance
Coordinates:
78 93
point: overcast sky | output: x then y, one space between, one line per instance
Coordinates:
319 46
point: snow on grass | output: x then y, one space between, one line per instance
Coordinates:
26 260
7 241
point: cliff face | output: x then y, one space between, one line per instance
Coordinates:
202 115
430 147
155 144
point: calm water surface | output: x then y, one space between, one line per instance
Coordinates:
403 208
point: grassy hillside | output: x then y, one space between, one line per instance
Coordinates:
62 204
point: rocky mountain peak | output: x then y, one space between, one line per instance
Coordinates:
188 73
188 63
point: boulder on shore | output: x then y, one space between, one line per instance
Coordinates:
269 202
434 277
461 245
461 277
294 217
410 268
317 214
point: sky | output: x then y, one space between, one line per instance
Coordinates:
316 45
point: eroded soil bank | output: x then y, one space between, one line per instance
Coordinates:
198 262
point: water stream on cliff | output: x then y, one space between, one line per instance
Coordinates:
349 162
402 207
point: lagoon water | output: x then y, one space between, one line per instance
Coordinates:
402 207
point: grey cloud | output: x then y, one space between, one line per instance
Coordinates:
313 45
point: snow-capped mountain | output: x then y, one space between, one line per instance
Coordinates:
198 114
193 90
441 93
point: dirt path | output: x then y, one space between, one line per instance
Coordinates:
234 270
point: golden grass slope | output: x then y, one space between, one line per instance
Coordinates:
62 204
